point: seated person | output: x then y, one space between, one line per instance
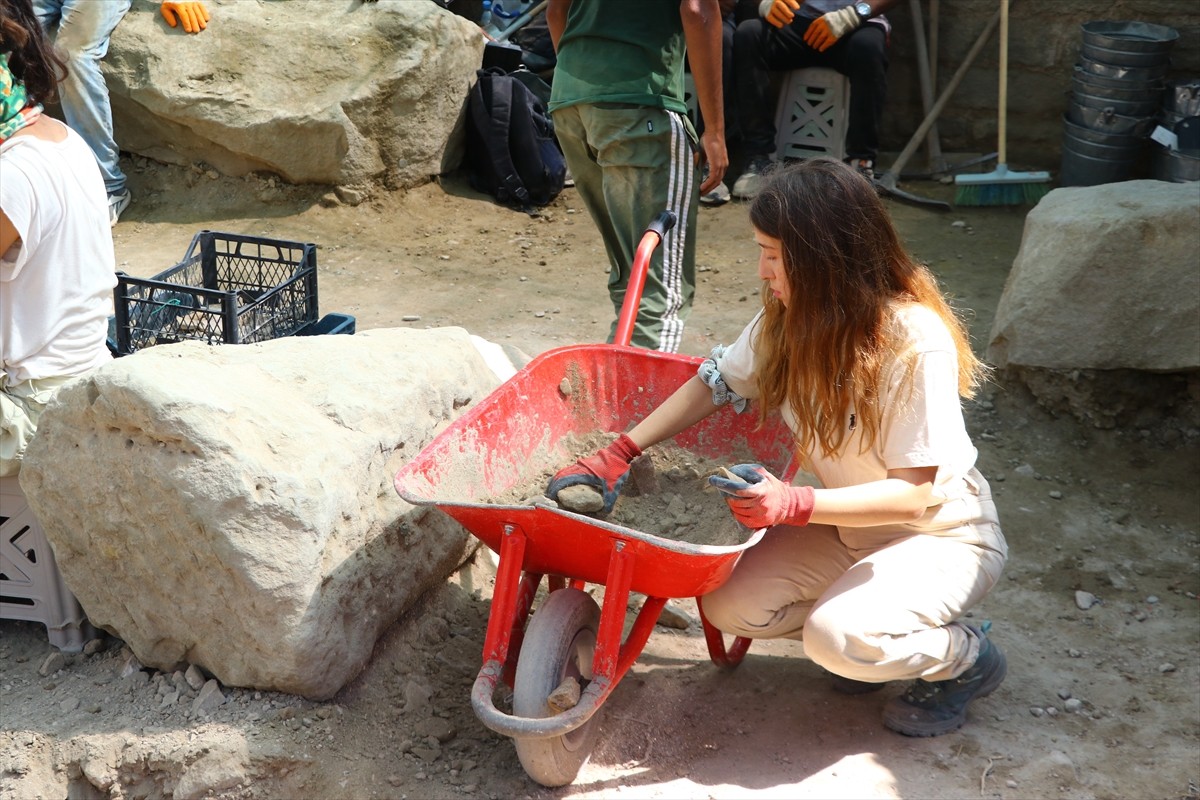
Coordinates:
57 268
851 37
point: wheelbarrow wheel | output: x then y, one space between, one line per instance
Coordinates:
559 644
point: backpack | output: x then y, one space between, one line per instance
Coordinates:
511 150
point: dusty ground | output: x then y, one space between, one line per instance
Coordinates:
1100 702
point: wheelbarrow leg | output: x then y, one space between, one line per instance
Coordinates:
716 643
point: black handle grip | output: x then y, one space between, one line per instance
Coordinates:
665 220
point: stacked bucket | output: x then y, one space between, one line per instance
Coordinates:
1116 95
1179 160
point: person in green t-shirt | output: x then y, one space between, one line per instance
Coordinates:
619 113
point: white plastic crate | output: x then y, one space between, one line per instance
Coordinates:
810 117
31 587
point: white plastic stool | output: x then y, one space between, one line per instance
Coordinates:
810 117
31 587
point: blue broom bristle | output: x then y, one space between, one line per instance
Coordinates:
1001 188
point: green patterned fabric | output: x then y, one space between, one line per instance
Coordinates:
15 109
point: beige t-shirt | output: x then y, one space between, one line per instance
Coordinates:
922 426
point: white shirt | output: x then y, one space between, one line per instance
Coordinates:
922 426
56 281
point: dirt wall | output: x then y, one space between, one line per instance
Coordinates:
1044 43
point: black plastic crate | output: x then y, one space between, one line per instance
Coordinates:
330 324
229 289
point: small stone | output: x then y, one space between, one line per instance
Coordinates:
69 705
1073 705
349 196
581 499
1063 694
1152 599
565 388
565 696
52 664
672 617
411 318
1073 653
1055 494
1011 784
194 677
1037 712
94 646
1084 600
1051 711
1167 667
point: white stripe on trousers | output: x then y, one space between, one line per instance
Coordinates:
679 199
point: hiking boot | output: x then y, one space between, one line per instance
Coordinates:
116 204
747 184
931 708
844 685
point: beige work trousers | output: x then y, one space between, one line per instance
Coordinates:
878 615
21 406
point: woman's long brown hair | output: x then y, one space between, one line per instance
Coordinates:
32 59
824 353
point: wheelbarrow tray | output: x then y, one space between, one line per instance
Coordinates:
520 429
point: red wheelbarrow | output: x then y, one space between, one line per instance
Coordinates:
502 443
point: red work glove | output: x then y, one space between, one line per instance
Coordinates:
192 13
826 29
778 12
761 500
605 472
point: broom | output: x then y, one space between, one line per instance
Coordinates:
1001 187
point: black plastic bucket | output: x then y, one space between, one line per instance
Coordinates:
1138 43
1107 120
1176 166
1145 107
1121 73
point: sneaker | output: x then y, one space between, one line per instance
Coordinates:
116 204
719 196
747 185
864 167
931 708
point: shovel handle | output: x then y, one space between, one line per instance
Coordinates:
655 233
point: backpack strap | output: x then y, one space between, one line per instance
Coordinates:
497 133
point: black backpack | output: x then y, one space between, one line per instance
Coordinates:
511 150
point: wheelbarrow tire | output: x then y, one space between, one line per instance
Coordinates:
559 643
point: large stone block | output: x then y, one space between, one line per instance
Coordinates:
1106 278
233 507
315 91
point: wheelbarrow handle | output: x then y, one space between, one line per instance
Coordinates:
655 233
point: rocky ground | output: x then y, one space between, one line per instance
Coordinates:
1097 612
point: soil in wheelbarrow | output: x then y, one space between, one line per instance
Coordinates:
667 493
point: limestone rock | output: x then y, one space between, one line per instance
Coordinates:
1106 279
233 507
317 92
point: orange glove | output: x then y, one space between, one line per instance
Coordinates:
778 12
191 13
826 29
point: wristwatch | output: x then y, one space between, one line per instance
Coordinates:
863 10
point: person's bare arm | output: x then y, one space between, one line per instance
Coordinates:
702 33
8 233
556 19
904 496
689 404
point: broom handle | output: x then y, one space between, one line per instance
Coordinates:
915 142
1002 126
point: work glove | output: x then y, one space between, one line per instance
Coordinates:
606 472
192 13
778 12
760 500
826 29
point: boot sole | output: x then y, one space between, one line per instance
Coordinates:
901 721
